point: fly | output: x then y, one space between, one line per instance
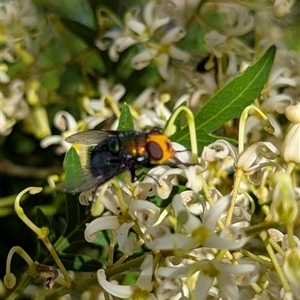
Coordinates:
116 152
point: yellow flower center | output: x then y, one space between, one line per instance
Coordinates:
139 294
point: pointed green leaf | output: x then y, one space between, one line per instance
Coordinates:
229 102
86 33
125 121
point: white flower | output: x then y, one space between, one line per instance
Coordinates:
143 212
282 7
104 107
140 290
251 161
161 55
237 22
225 273
12 107
199 234
65 123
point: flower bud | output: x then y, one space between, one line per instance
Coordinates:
284 207
291 267
291 144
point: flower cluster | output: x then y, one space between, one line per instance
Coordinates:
217 219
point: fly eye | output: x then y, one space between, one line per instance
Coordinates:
154 151
114 145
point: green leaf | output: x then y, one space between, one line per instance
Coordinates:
86 33
43 221
76 178
125 121
228 102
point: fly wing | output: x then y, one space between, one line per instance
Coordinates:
90 137
83 179
80 181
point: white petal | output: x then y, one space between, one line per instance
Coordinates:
127 245
164 188
176 53
168 287
228 286
118 92
51 140
249 156
173 272
121 291
64 120
142 100
218 242
170 242
174 35
136 26
146 212
123 43
211 217
218 150
189 221
145 278
276 235
99 224
142 60
111 202
162 61
157 232
202 287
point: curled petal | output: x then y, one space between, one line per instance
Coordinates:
99 224
157 21
249 273
168 287
113 53
164 188
51 140
64 121
123 43
276 235
142 60
146 212
157 232
184 217
277 103
218 150
235 235
250 155
121 291
173 35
